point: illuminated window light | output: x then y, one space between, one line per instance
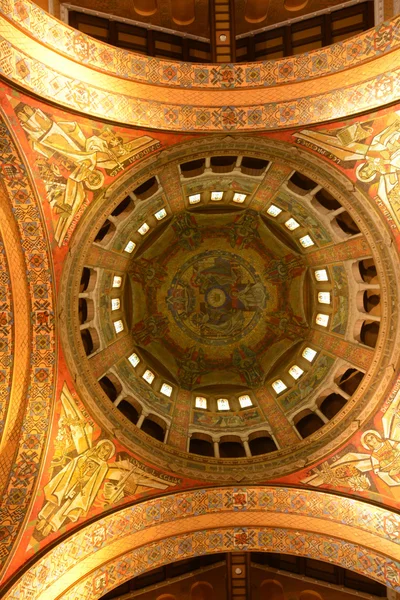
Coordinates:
245 401
216 196
194 198
274 211
292 224
118 326
322 320
129 248
223 404
296 372
324 297
309 354
200 402
161 214
306 241
321 275
115 303
148 376
279 386
134 359
143 229
239 198
166 389
117 281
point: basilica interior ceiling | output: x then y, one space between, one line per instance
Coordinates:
199 343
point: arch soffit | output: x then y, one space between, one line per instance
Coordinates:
228 105
136 539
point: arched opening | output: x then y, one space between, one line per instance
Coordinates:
123 208
369 333
256 10
146 189
105 233
182 11
166 597
346 223
223 164
350 380
201 444
368 271
193 168
371 302
308 424
325 200
88 280
90 340
301 184
82 310
231 447
202 590
271 589
153 428
253 166
261 443
129 411
110 386
332 404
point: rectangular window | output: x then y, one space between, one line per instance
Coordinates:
118 326
161 214
115 303
194 198
239 198
279 386
148 376
321 275
223 404
322 320
143 229
274 211
245 401
134 359
200 402
166 389
129 248
324 297
296 372
306 241
117 281
292 224
215 196
309 354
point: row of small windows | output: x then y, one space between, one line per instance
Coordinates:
295 371
166 389
291 224
223 404
217 196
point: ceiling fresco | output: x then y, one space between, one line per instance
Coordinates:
213 302
219 299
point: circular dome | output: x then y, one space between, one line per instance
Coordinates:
231 304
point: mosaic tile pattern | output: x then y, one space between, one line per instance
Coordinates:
6 335
260 109
154 71
35 425
274 513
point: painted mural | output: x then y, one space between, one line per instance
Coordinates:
382 457
73 161
85 471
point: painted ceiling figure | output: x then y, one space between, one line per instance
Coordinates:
383 457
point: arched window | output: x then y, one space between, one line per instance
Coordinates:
308 423
271 589
111 386
332 404
202 590
201 444
154 427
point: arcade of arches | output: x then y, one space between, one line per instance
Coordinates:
199 283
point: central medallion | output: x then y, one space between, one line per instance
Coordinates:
216 297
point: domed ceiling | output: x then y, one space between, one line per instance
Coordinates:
216 299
